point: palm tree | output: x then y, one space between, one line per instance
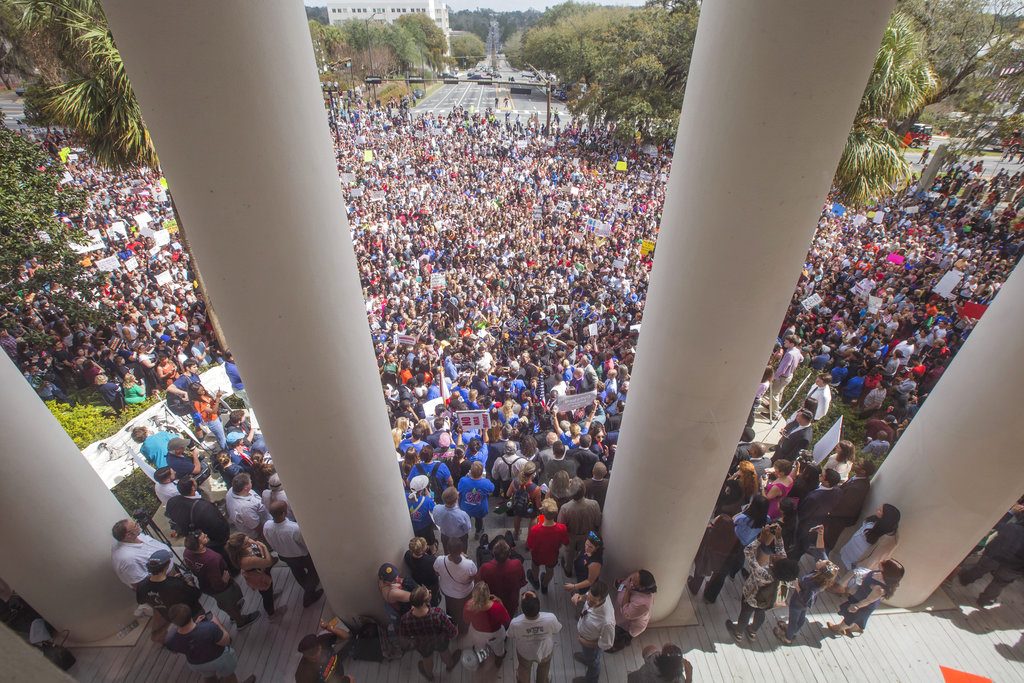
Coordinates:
872 165
94 98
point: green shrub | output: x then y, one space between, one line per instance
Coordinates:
86 423
136 491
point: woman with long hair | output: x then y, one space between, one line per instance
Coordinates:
253 559
872 544
878 585
806 590
841 459
487 619
208 407
400 430
779 487
525 497
746 527
560 489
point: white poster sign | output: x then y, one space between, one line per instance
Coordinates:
118 228
131 264
161 237
474 419
143 219
164 278
829 441
618 264
874 304
811 301
377 196
438 281
946 286
592 330
356 192
407 339
603 230
864 287
570 402
107 264
859 220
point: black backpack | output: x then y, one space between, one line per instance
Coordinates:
435 485
522 501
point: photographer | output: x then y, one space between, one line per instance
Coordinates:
183 458
766 564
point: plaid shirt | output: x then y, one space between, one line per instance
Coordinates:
432 629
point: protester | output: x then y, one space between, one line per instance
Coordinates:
214 577
534 634
524 498
662 665
396 592
246 513
581 516
767 566
453 523
189 512
420 562
589 563
806 590
430 631
852 494
206 645
321 663
160 590
595 629
474 490
872 544
544 542
487 620
285 537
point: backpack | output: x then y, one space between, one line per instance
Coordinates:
766 595
435 484
522 501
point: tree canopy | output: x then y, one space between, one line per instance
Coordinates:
468 49
38 266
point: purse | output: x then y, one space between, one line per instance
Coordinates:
258 579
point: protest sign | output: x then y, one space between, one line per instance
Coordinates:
646 247
143 219
603 230
94 234
367 155
859 220
360 139
912 209
154 251
348 178
622 207
829 441
171 225
838 209
574 401
863 288
618 264
879 217
86 248
356 192
407 339
562 207
874 304
948 283
64 153
438 281
163 182
146 231
591 224
592 330
811 301
645 176
409 170
898 259
161 237
620 166
107 264
131 264
972 310
377 196
521 144
164 278
650 150
475 420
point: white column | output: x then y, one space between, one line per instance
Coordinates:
771 95
230 94
57 520
956 470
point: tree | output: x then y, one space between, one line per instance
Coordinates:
428 38
468 50
317 14
95 98
31 198
872 165
14 56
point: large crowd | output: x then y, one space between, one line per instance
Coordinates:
505 269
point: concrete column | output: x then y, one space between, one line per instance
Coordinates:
57 516
771 96
230 94
956 470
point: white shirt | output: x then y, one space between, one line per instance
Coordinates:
455 578
286 538
130 559
246 513
166 491
824 397
269 496
535 637
597 624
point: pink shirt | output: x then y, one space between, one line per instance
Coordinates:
634 615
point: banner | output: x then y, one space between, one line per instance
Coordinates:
571 402
475 420
829 441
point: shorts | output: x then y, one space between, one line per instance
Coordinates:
222 666
228 598
429 647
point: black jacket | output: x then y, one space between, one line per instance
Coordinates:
205 517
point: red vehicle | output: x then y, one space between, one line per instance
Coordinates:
920 135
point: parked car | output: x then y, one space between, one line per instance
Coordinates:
417 93
920 135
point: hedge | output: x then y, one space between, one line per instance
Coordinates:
136 491
87 423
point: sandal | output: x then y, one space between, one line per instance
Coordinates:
780 633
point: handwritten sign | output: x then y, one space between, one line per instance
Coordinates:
438 281
646 247
874 304
592 330
108 264
171 225
407 339
571 402
811 301
618 264
164 278
474 419
620 166
131 264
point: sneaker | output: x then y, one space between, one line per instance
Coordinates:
247 620
532 578
780 633
752 635
733 631
311 598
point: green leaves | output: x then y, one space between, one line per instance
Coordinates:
36 258
468 50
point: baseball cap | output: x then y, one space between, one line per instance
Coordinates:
234 437
308 642
158 560
387 572
176 443
419 482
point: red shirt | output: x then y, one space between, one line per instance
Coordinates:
488 621
545 541
505 580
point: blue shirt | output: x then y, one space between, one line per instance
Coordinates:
744 531
154 448
420 508
452 522
232 372
442 476
473 495
418 445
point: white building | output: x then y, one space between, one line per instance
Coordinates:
389 11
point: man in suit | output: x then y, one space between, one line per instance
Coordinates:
847 508
796 436
814 508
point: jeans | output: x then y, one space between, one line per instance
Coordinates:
216 427
797 619
592 659
743 621
1002 576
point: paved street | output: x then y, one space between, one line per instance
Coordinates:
476 97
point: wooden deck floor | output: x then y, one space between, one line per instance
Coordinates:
899 646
